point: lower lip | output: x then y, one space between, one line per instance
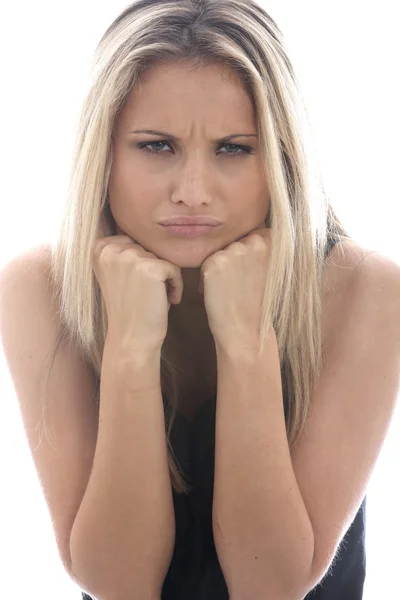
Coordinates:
190 231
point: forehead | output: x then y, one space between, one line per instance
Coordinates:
178 72
170 88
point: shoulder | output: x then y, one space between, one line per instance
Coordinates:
27 276
358 278
351 266
34 262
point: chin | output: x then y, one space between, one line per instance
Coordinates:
186 262
192 256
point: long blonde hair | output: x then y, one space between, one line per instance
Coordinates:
240 34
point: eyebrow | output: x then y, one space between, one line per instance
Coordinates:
176 139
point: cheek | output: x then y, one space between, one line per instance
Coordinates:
134 212
250 181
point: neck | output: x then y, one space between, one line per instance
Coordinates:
192 299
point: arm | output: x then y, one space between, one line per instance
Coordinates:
262 532
123 536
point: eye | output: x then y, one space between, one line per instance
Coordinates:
144 146
240 150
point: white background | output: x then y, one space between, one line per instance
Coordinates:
346 56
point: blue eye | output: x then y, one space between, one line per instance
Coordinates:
240 150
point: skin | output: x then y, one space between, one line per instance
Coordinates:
193 176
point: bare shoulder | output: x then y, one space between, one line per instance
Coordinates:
357 276
351 264
35 261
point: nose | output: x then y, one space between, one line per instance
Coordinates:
193 183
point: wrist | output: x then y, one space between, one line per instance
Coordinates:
131 358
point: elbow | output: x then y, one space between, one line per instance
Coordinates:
103 588
270 587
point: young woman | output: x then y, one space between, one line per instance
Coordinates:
216 359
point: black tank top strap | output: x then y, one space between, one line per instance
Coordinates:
330 243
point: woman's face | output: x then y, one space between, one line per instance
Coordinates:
197 173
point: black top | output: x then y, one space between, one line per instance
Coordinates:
194 572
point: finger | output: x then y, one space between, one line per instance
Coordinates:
175 282
100 243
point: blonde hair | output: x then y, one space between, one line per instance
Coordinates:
241 35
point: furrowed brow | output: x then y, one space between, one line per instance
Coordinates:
172 137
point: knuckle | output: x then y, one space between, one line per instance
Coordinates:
258 242
143 265
105 253
220 259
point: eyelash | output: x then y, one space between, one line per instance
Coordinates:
246 150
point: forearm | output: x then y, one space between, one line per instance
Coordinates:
262 532
123 536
